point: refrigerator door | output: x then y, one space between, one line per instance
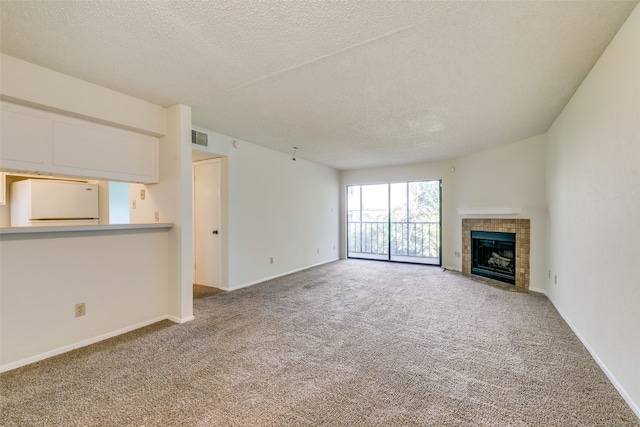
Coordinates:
63 200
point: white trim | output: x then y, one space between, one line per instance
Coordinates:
246 285
83 343
539 290
424 260
178 320
459 270
490 211
635 407
367 256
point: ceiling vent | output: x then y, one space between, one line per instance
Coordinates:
199 138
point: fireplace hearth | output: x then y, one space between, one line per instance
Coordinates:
493 255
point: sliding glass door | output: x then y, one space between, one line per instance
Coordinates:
415 222
395 222
368 221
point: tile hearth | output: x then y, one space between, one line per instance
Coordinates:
522 229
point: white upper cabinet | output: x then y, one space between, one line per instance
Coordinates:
24 136
92 148
42 142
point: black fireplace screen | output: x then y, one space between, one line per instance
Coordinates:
494 255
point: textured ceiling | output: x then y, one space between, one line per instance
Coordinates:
353 84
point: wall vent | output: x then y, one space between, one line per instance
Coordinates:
199 138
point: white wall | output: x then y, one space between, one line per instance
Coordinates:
39 87
593 195
273 207
282 209
122 278
511 175
145 209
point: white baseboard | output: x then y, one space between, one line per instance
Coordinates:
83 343
246 285
459 270
635 406
181 320
539 290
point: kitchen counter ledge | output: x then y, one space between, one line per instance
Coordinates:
81 228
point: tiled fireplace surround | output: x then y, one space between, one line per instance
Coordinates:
522 228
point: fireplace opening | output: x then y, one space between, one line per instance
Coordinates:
493 255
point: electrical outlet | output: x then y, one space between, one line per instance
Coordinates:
80 309
133 204
318 250
555 279
142 194
457 254
271 260
549 274
156 216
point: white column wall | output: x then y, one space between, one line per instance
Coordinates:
173 197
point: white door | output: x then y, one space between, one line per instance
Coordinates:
206 222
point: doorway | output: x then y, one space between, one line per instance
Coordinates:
206 223
395 222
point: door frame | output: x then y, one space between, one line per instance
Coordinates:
219 209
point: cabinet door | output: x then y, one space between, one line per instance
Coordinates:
24 136
100 150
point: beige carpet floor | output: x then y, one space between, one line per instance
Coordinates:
351 343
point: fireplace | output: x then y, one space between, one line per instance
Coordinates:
493 255
519 227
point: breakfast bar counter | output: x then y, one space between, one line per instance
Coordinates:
83 228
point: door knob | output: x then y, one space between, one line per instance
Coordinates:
215 232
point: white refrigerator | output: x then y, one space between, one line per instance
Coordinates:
44 202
